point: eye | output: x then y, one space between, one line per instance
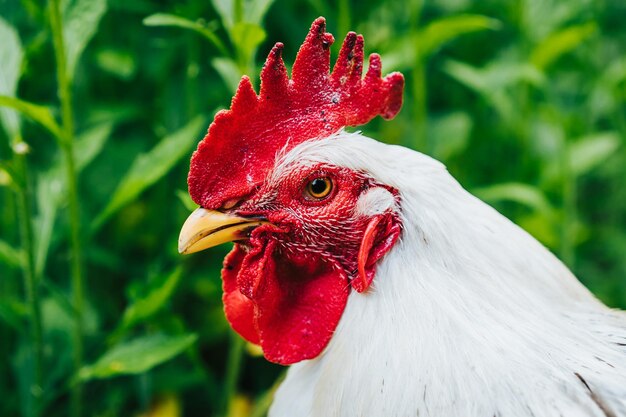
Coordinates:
319 188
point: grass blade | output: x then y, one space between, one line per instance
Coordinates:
446 29
10 62
37 113
147 306
11 256
51 190
137 356
150 167
524 194
164 19
560 43
80 22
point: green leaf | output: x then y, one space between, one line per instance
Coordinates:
496 76
524 194
404 52
590 151
560 43
80 22
58 313
164 19
137 356
117 62
90 143
152 302
10 256
185 198
148 168
226 11
247 37
494 82
254 10
11 55
583 155
6 175
441 31
229 71
542 228
37 113
13 313
449 134
484 83
51 187
49 195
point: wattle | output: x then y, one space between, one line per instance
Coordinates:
290 307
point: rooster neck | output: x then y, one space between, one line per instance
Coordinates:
402 348
468 316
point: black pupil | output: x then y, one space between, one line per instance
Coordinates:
318 186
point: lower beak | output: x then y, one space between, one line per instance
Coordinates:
207 228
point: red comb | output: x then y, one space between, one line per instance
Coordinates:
241 144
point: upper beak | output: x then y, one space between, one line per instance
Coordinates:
207 228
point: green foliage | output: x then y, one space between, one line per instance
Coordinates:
560 43
137 356
164 19
11 57
35 112
523 101
441 31
150 167
81 19
10 256
147 306
524 194
424 42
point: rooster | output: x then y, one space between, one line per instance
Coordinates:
392 290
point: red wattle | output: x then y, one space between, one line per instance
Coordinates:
238 308
294 305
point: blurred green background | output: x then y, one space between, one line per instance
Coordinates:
102 103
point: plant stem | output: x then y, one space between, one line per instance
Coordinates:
419 82
569 208
193 66
419 99
233 367
67 116
31 283
344 17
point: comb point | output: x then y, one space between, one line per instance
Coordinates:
245 98
274 78
312 62
393 103
374 71
344 60
357 59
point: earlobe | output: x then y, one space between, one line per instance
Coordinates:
380 235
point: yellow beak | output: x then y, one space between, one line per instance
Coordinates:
207 228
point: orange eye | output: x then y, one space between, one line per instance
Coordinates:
319 188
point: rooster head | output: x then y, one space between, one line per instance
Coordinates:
306 234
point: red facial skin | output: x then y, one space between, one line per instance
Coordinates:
287 286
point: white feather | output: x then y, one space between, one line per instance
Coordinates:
375 201
468 316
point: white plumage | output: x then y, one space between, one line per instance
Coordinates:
468 316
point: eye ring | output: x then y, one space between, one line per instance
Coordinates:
319 188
